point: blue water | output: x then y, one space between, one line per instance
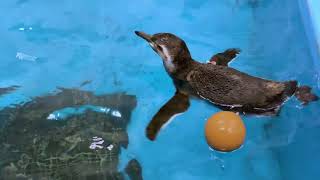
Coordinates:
75 41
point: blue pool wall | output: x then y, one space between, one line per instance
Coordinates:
310 12
299 160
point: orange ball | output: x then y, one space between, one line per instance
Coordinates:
225 131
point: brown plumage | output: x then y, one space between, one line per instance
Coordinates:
234 90
225 87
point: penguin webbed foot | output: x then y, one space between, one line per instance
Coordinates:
179 103
304 94
224 58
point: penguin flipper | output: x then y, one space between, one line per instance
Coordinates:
179 103
225 57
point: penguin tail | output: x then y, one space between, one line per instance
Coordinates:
304 94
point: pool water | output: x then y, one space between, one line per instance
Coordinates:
45 45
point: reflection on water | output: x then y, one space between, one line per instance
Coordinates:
65 112
33 147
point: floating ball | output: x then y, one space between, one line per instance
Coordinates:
225 131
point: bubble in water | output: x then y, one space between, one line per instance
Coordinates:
217 157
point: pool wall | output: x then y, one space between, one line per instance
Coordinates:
311 18
298 160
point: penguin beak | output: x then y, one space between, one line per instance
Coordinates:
143 35
154 46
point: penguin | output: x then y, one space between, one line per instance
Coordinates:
216 82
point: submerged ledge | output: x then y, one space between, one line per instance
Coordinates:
86 145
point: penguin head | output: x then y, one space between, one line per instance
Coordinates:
169 47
